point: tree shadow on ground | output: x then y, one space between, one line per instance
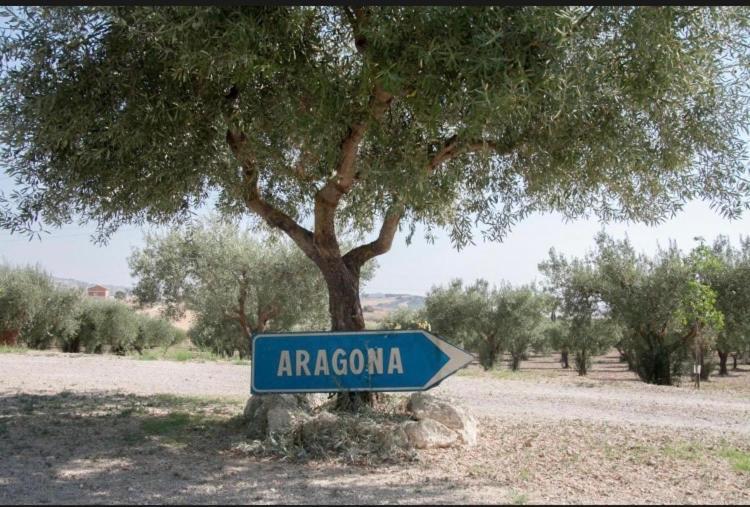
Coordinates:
120 448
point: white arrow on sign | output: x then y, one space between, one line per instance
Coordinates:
457 359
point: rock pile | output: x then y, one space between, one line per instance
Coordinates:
425 422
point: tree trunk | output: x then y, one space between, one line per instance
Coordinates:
346 315
723 356
564 359
74 345
581 361
488 352
9 337
343 299
705 368
734 361
515 361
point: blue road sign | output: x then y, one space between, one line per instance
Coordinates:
409 360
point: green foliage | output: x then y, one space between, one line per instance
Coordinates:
236 284
22 296
451 311
557 337
57 322
120 114
112 326
33 310
406 318
519 313
155 332
728 274
662 303
464 316
108 326
581 324
739 459
488 320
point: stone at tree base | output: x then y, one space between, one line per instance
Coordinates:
437 423
425 407
284 419
429 434
272 413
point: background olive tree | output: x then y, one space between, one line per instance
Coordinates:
520 313
576 288
38 313
33 310
236 283
665 311
463 314
488 320
729 276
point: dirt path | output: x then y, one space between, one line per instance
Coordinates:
533 398
101 429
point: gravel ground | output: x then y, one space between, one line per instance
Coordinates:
77 428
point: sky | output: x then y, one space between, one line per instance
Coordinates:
414 269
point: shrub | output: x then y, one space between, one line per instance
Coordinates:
154 332
22 297
56 322
33 310
405 318
220 336
107 326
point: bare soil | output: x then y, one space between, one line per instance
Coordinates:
101 429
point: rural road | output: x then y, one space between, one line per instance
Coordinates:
621 403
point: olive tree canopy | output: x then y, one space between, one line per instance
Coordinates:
237 285
319 119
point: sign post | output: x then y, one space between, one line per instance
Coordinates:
404 360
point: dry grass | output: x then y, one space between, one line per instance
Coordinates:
365 438
83 446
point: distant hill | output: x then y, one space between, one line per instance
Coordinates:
377 305
79 284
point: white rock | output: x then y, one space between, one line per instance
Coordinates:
283 419
429 434
273 413
424 407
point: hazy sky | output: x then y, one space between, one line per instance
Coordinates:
69 253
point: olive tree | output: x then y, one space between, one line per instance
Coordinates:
463 315
33 310
729 276
488 320
237 285
664 309
22 294
575 286
557 336
323 119
519 314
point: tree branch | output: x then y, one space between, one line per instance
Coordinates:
453 147
583 18
269 312
356 257
328 197
271 215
